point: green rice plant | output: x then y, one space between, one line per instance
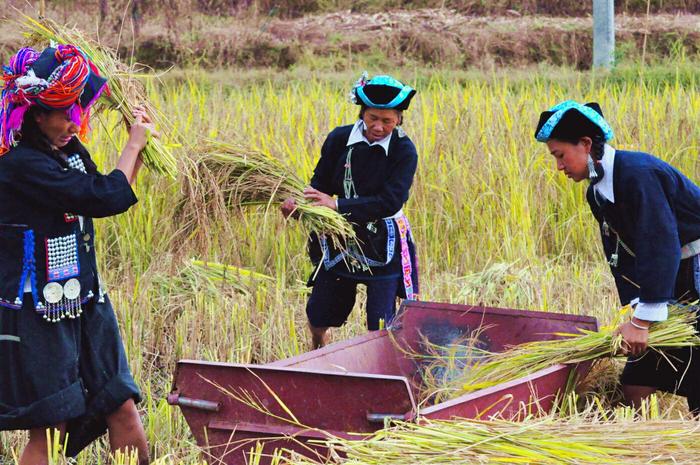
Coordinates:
55 446
124 94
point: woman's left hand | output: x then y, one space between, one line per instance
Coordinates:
318 198
634 340
140 129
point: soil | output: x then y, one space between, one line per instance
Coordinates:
435 37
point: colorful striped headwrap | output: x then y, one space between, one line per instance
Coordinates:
70 72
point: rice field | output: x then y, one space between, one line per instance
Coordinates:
494 222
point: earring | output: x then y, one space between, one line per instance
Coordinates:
592 173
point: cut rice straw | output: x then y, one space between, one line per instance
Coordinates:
125 91
590 436
247 177
216 278
544 441
524 359
219 272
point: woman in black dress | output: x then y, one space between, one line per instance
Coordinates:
62 363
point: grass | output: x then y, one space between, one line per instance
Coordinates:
494 221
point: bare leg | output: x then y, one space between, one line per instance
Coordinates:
634 395
319 337
126 431
36 450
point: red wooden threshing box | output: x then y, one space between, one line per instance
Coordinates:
353 386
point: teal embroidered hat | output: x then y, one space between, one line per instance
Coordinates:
567 119
383 92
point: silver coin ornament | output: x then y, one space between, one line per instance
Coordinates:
72 289
53 293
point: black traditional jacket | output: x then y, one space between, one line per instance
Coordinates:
656 212
381 182
46 231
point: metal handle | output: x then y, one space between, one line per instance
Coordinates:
381 417
200 404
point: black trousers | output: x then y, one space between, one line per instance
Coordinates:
333 297
679 371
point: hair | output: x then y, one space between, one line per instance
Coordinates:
33 136
30 133
574 126
365 107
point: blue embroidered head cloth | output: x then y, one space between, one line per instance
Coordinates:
383 92
570 120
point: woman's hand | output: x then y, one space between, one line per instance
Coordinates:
634 340
140 129
289 208
130 160
318 198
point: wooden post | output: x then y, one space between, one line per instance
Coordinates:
603 33
136 16
104 10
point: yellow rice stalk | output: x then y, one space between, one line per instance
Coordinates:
125 91
198 277
524 359
544 441
248 177
215 275
590 436
218 272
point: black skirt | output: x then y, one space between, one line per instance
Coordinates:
72 372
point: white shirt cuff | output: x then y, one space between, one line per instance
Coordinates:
651 312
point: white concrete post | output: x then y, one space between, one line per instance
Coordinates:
603 33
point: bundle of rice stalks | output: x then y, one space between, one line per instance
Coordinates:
545 441
521 360
221 273
198 276
243 176
125 91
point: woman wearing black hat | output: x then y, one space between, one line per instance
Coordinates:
365 172
649 218
62 362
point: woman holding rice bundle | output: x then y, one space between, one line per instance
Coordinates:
365 172
649 218
62 363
